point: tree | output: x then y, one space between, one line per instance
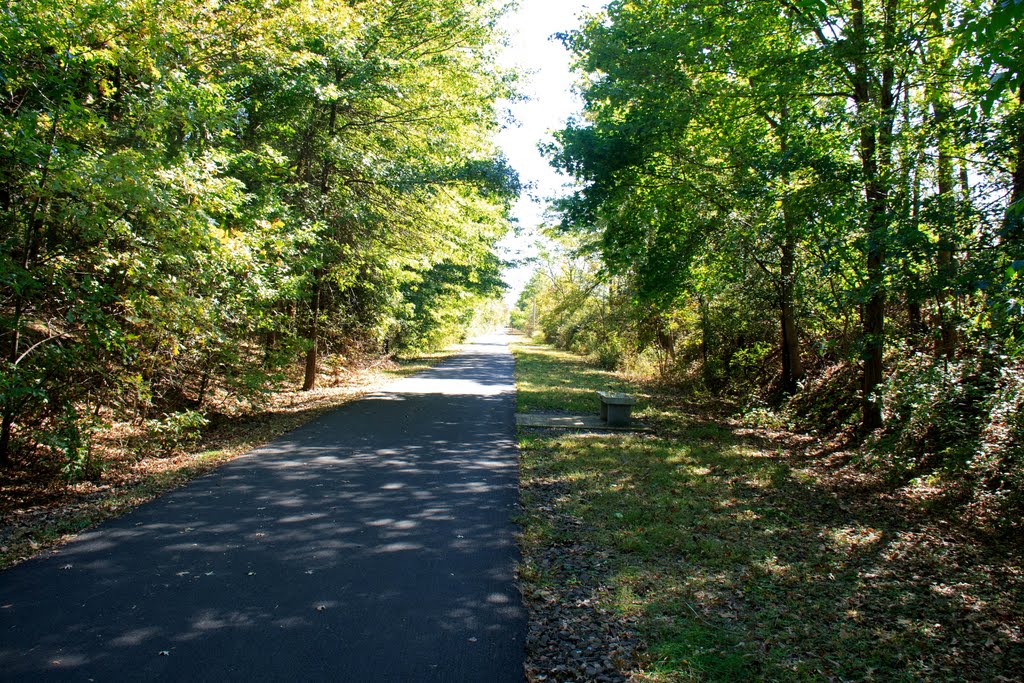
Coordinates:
740 130
698 116
194 193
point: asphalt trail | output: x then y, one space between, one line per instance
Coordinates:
373 544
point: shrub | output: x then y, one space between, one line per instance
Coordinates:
827 402
961 424
758 414
997 466
934 412
176 431
610 352
70 439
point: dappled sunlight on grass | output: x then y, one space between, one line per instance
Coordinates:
742 566
770 566
566 382
851 536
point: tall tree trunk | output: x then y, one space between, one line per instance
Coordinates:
1013 221
792 364
915 316
876 116
947 340
309 381
912 165
326 168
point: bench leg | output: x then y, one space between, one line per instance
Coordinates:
604 411
617 415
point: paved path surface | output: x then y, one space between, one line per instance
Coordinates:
373 544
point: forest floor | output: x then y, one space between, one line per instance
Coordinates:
707 551
40 509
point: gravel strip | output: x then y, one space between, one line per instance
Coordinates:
573 634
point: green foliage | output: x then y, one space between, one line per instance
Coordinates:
193 194
442 303
813 207
958 424
935 413
70 440
573 304
175 431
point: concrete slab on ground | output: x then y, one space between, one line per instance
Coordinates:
588 422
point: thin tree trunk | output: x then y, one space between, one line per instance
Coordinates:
326 168
204 384
269 344
309 381
8 411
876 157
1013 221
704 337
947 340
915 316
792 365
5 436
912 180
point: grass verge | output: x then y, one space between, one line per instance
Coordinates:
736 557
38 511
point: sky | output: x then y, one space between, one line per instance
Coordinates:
549 102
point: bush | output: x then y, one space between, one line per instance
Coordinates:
827 402
610 352
997 466
176 431
70 440
934 412
758 414
962 424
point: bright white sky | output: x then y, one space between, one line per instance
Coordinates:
548 87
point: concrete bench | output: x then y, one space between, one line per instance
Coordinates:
616 407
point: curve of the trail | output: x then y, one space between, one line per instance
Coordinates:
376 543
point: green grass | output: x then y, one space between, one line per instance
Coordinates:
548 379
740 563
